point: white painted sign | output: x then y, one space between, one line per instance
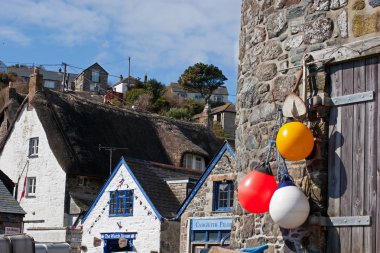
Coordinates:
12 230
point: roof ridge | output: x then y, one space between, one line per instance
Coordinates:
139 113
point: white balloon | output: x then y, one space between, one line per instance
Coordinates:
289 207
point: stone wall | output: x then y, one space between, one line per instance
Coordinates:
275 35
202 204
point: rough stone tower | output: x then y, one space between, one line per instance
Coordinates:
275 36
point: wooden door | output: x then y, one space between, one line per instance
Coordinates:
354 165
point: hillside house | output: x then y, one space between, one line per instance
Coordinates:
224 115
54 142
220 95
125 84
138 203
93 78
51 79
206 214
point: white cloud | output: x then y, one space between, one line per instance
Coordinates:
13 35
157 34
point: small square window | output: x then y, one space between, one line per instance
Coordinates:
121 203
30 186
223 196
33 147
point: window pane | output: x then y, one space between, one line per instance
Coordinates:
224 195
95 76
213 236
199 236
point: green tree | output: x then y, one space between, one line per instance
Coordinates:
202 78
156 88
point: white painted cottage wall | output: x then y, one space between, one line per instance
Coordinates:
48 203
146 226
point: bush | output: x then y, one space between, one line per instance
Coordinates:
132 95
179 113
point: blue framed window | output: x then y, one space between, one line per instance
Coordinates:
223 196
121 203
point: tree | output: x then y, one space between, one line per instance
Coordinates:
202 78
156 88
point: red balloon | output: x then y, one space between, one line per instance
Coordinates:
255 191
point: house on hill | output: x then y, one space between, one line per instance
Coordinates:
54 139
51 79
93 78
125 84
138 204
219 95
224 115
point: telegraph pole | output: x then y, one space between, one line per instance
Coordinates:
64 76
129 71
110 149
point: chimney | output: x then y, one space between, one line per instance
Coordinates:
35 85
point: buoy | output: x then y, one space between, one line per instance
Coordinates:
294 141
256 189
289 207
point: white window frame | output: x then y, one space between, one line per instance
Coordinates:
30 186
33 147
192 161
95 76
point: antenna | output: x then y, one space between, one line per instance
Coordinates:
110 149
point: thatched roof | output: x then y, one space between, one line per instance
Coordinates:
76 126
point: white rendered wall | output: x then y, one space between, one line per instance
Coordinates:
48 203
146 226
121 88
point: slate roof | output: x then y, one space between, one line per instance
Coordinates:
132 80
75 127
7 203
223 108
152 177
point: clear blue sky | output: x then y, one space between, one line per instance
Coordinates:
162 37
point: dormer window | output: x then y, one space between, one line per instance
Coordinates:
193 161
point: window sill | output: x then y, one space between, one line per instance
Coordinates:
30 196
222 211
120 215
32 156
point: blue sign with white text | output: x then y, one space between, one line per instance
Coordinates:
211 224
118 235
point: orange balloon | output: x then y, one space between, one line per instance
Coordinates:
294 141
